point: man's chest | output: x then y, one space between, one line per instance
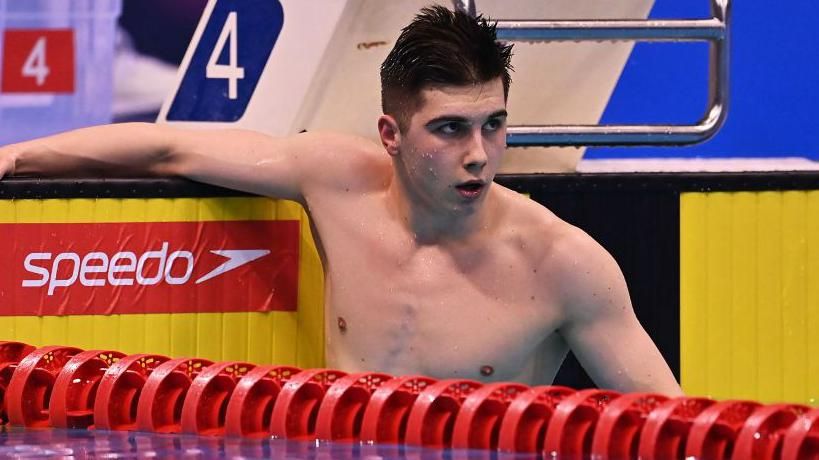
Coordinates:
385 265
480 313
437 327
471 309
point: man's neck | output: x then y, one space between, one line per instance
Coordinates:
433 224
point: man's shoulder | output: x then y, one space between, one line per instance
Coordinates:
529 219
553 243
343 158
334 143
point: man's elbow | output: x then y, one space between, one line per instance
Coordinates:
167 163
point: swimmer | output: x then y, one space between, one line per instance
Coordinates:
431 268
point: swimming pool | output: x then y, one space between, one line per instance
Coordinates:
15 443
608 206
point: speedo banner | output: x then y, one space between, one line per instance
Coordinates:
148 267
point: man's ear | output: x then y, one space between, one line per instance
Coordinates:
390 134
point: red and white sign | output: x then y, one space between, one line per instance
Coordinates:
38 61
151 267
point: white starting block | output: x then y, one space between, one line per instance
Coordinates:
283 66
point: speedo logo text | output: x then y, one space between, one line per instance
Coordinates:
126 268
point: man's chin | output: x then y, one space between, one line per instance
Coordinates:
468 207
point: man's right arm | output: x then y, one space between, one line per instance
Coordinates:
237 159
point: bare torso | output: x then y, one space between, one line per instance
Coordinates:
475 308
491 289
475 281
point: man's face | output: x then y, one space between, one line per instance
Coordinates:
453 144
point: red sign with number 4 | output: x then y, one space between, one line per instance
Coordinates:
38 61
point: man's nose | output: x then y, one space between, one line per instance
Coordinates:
476 157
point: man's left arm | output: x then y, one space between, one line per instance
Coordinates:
601 327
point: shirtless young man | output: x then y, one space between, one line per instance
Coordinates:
431 268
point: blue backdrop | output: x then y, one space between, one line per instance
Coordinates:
774 79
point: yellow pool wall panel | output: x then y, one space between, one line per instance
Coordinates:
749 295
278 337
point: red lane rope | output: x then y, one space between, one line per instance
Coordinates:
65 387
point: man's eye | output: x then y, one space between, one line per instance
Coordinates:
492 125
449 128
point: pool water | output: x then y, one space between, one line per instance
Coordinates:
81 444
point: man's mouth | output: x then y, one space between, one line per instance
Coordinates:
471 189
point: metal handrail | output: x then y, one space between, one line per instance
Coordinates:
714 30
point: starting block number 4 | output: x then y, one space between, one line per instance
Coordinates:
227 61
38 61
232 72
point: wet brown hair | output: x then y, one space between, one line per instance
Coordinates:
441 47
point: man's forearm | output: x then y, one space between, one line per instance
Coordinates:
129 149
